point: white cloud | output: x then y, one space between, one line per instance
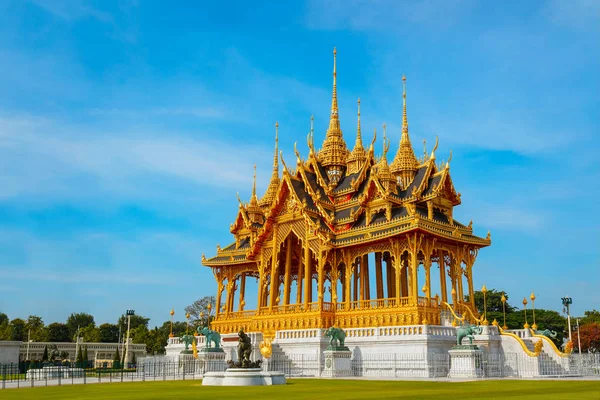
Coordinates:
39 155
72 9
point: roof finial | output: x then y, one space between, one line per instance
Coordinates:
424 150
275 157
254 183
386 142
404 117
358 131
334 104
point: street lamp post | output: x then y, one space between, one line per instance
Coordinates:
578 337
503 300
129 314
567 301
187 323
484 291
172 313
532 297
526 326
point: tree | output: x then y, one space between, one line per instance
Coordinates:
85 356
590 337
136 320
90 334
199 307
492 300
108 333
58 332
590 317
117 359
36 328
18 330
6 332
79 359
79 320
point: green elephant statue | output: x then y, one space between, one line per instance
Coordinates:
336 336
467 331
211 336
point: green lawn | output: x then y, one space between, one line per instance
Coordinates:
319 389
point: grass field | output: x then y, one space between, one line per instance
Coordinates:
319 389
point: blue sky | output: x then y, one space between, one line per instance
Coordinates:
126 129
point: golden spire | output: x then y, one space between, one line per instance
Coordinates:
253 199
333 154
271 192
405 163
358 156
334 104
383 169
404 117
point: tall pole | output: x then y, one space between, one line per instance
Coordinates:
28 341
578 336
484 291
567 301
503 300
526 326
129 314
172 313
532 297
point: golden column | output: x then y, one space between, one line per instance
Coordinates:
414 279
379 275
218 301
459 276
348 279
452 271
172 313
532 297
484 291
299 282
242 291
442 265
367 284
427 266
274 281
356 275
321 280
503 300
391 277
526 326
307 272
288 272
403 277
397 274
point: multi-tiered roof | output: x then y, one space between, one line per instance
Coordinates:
352 197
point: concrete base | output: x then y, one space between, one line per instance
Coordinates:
211 361
243 377
465 363
337 363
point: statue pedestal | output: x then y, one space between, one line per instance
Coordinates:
337 362
210 360
465 362
243 377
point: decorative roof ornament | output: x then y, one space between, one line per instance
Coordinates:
405 163
383 169
253 209
271 192
333 154
310 138
357 158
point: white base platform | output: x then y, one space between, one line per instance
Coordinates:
337 363
465 363
243 377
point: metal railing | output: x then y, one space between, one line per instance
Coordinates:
391 365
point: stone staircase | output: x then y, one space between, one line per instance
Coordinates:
547 365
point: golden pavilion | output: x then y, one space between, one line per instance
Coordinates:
316 226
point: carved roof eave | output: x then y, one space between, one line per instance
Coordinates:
430 170
354 186
447 180
407 224
316 198
241 218
314 163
